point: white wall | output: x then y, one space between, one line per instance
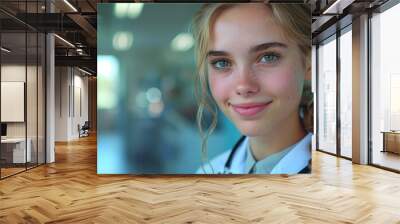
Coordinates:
81 89
12 101
70 84
13 73
61 103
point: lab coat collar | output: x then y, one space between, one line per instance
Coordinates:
292 163
297 159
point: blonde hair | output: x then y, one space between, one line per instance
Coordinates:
295 19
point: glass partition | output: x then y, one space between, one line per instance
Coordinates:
327 95
22 91
346 92
31 100
41 91
385 89
13 105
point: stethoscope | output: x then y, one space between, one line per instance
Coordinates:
228 162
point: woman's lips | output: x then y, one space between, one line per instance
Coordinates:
249 109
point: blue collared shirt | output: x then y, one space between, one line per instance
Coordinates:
291 160
265 165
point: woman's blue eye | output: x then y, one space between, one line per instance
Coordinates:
221 64
269 58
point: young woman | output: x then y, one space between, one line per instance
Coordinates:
253 62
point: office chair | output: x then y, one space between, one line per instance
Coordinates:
84 130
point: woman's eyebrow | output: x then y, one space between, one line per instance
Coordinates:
264 46
256 48
216 53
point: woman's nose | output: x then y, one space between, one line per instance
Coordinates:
247 84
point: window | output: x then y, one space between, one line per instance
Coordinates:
385 89
346 92
327 96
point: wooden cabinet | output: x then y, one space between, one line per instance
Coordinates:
391 141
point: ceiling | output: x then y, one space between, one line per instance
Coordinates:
80 27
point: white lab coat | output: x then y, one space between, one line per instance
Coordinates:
296 160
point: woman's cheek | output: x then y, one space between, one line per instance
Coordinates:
282 83
218 88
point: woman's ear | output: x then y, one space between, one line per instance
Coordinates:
308 71
308 74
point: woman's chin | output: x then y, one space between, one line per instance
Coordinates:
250 131
254 128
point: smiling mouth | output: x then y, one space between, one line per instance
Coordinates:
250 109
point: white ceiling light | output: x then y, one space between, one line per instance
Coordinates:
182 42
70 5
134 10
65 41
79 51
153 95
84 71
122 41
107 82
131 10
120 10
108 67
5 50
338 6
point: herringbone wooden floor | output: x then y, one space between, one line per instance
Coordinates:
70 191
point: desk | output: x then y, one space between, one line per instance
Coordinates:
391 141
15 148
